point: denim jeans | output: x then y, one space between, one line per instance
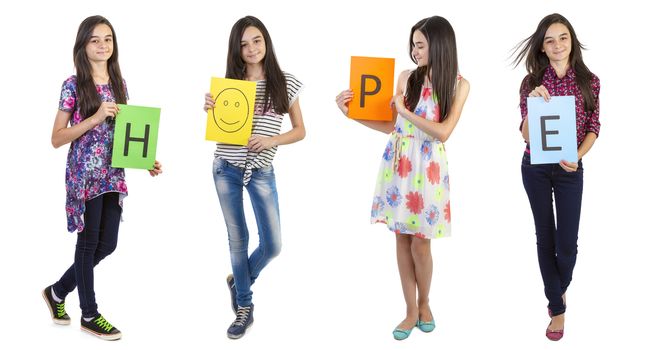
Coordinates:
264 200
557 235
98 240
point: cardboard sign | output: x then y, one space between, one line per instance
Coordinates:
372 80
231 119
552 129
135 137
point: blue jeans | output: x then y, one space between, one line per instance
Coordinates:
98 240
264 199
557 236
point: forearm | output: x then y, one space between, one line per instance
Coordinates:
586 144
64 135
294 135
440 131
385 126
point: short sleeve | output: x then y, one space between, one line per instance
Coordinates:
67 101
294 87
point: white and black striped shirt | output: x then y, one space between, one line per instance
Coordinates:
265 124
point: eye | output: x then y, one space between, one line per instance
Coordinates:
94 41
225 102
244 45
108 40
237 104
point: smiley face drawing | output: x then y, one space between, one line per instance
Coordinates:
231 110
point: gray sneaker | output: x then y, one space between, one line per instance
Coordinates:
56 310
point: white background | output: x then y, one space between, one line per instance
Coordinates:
336 283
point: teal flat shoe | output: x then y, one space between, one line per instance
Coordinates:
400 334
426 326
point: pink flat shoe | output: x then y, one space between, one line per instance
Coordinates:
554 335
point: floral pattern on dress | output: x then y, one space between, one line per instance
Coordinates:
413 178
89 173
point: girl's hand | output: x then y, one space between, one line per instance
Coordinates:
343 99
399 104
260 143
541 91
156 170
106 109
209 103
569 166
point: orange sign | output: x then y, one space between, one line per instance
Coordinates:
372 80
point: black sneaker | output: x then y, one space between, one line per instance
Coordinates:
101 328
243 320
57 310
230 281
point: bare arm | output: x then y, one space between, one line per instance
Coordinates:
259 143
63 134
438 130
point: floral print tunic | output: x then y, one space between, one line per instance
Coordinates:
412 189
89 173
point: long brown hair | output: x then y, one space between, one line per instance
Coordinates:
276 91
537 61
88 98
442 59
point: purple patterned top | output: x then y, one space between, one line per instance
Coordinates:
88 173
586 122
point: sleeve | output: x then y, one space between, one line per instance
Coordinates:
294 87
593 120
524 94
67 102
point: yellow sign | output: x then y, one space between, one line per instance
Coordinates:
231 119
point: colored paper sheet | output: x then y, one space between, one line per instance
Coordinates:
231 119
135 137
372 80
552 129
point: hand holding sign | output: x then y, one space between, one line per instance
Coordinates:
552 129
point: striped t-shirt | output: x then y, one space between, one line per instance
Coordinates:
265 124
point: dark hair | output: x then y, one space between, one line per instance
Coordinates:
537 61
88 98
442 59
276 96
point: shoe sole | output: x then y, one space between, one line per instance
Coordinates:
233 336
51 312
116 336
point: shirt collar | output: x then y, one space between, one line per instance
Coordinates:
550 73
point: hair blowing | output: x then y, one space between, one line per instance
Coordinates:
530 50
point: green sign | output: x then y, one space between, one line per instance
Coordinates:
135 137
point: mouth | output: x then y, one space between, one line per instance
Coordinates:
227 123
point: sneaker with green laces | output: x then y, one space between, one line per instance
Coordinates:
56 310
101 328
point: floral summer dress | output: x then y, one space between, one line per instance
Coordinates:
88 173
412 189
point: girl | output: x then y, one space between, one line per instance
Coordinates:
411 195
251 57
555 68
95 190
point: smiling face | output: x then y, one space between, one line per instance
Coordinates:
101 45
253 47
420 48
557 43
231 110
